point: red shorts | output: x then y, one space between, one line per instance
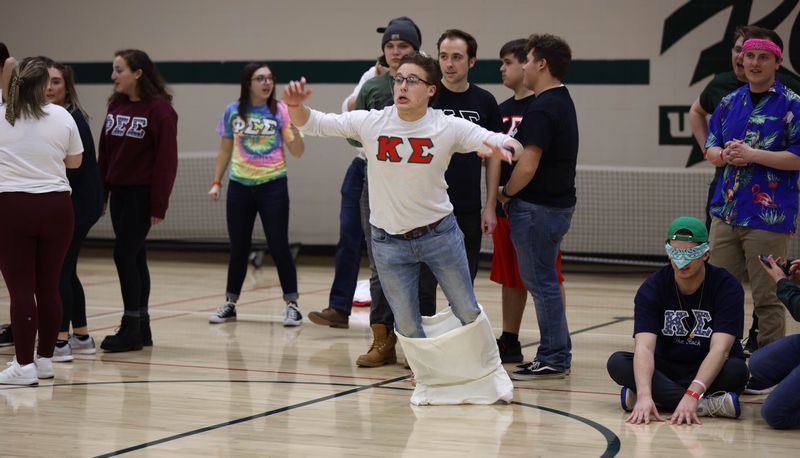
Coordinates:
505 269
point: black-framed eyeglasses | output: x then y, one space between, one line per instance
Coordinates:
411 80
261 79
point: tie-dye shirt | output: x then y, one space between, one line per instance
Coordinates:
258 154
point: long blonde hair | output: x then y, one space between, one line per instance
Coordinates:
26 90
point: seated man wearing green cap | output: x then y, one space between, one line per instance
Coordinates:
688 320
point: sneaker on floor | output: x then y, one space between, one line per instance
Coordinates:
15 374
226 312
293 315
6 337
63 353
525 365
82 346
627 399
510 352
44 367
719 404
538 371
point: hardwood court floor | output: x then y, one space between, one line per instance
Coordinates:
255 388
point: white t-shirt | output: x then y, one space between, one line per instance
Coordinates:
32 151
407 160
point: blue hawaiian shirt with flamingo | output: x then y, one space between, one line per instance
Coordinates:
757 196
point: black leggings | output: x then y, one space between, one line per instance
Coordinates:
130 217
72 296
671 379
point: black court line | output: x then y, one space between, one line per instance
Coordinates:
613 443
612 439
251 417
617 319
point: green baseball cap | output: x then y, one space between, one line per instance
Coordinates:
690 224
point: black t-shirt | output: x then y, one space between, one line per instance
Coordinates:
724 83
684 326
463 175
551 124
511 113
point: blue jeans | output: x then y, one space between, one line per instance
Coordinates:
271 201
398 262
351 237
537 231
470 225
778 364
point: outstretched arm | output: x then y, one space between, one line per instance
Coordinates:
523 172
294 96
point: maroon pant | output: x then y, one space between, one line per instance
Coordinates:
34 237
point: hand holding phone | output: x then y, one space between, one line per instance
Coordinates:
785 266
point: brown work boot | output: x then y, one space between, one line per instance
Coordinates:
330 317
382 350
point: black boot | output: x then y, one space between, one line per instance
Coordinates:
144 326
127 338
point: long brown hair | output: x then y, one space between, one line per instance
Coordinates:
244 90
150 85
26 90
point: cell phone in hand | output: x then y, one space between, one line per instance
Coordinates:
784 267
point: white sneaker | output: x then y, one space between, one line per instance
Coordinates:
19 375
719 404
62 354
82 347
293 315
44 367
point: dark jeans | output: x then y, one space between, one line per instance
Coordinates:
671 379
34 237
351 239
271 201
72 297
470 225
130 218
778 364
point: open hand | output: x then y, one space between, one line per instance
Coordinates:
296 92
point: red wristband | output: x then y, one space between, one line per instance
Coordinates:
293 105
216 183
693 394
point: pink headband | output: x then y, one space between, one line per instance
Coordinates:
758 44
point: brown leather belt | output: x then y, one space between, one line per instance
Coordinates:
420 231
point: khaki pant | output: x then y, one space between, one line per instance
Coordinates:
737 249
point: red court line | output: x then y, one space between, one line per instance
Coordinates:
261 371
208 296
230 369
